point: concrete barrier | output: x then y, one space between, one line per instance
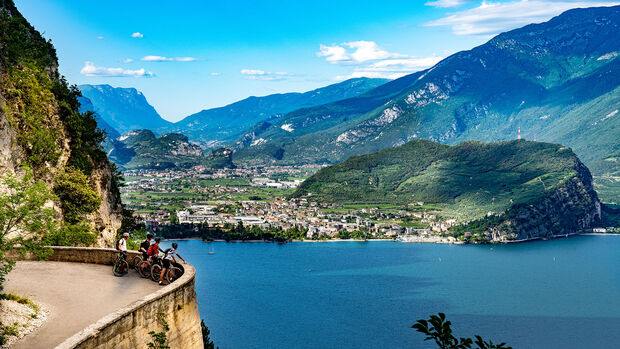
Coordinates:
129 327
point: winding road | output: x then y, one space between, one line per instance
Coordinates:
76 294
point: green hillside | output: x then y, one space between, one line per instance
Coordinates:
465 182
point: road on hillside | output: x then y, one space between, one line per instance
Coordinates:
77 295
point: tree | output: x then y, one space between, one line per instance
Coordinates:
78 197
208 343
438 329
23 218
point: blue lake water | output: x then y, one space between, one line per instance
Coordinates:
563 293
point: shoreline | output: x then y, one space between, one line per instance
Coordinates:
419 241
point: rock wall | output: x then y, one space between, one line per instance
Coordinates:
129 327
570 209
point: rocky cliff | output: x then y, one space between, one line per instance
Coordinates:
42 128
571 208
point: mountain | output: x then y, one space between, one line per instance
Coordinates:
225 124
87 106
124 109
504 190
41 127
141 149
559 81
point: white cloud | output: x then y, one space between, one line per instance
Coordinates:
255 74
252 72
127 60
358 52
333 53
167 59
446 3
215 74
370 60
90 69
137 35
494 17
100 37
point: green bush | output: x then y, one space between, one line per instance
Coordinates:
76 194
70 235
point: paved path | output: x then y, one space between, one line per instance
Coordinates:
77 295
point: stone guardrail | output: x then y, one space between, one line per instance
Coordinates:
129 327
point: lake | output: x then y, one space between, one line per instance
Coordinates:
563 293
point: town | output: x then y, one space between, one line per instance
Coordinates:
258 197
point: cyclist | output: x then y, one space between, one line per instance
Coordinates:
120 266
167 258
144 246
153 250
121 245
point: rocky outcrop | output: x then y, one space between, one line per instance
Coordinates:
570 209
40 124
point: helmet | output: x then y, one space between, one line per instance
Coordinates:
126 235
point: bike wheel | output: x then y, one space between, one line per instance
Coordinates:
120 268
173 274
135 262
155 272
144 269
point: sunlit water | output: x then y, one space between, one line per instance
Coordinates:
563 293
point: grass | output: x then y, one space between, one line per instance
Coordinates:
20 300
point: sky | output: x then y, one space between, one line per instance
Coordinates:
186 56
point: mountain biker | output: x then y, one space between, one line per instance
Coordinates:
121 245
167 258
144 246
153 250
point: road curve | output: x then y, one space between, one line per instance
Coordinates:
77 295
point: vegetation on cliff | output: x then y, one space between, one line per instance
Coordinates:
490 182
61 145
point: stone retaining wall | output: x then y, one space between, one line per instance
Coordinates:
129 327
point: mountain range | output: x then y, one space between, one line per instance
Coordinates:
557 81
126 109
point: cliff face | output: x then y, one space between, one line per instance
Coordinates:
569 209
41 127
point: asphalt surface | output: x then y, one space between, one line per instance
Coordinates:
76 294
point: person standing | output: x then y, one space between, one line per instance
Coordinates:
144 246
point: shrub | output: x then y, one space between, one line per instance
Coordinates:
76 194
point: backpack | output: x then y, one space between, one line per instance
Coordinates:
151 250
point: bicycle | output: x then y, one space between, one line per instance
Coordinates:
120 267
144 267
136 261
172 274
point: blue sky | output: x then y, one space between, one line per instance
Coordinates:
192 55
